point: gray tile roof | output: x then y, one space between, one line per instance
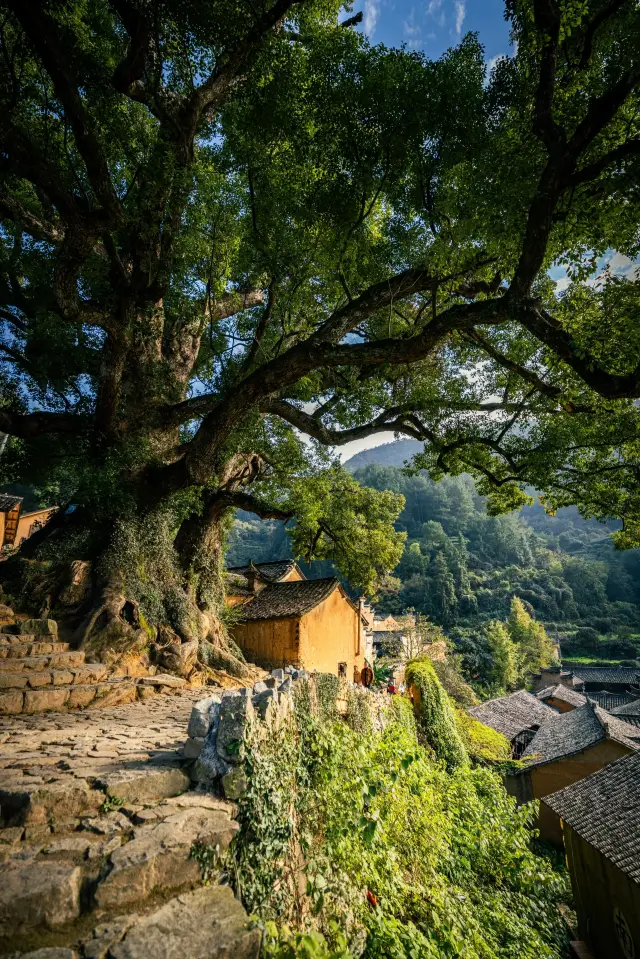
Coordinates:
280 600
272 571
8 502
623 675
563 693
577 730
604 809
627 709
512 714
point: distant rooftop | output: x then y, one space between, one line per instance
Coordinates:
628 709
577 730
625 675
563 693
7 502
270 572
513 714
603 810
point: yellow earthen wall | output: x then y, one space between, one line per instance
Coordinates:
599 888
2 519
329 635
553 776
269 642
26 521
560 705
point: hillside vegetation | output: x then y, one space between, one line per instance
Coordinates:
462 566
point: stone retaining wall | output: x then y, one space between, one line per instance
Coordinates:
219 724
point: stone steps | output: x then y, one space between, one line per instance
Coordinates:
26 647
114 854
87 673
39 673
73 657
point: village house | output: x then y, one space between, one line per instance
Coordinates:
609 686
16 526
286 619
600 827
517 716
561 698
566 750
629 712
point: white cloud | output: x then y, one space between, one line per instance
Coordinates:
434 6
371 14
492 62
411 29
461 11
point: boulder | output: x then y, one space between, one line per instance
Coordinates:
56 802
262 701
38 895
40 700
208 923
235 783
236 712
139 786
193 747
163 679
203 714
38 627
159 855
277 674
11 703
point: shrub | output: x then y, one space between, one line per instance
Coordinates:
435 715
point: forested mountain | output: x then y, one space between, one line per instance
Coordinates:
462 567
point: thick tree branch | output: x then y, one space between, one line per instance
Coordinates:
547 20
593 170
527 375
39 229
252 504
212 93
28 425
550 332
43 35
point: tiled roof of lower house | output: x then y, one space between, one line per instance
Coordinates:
624 675
577 730
271 571
563 693
628 709
280 600
512 714
7 502
603 810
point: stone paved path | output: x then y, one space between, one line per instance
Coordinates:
58 746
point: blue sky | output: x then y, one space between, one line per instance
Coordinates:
435 25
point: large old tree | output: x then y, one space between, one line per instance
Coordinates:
235 234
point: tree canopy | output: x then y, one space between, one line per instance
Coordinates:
226 228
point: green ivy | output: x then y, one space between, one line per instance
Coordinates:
365 845
436 716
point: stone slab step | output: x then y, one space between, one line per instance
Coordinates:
53 661
113 692
160 856
86 674
26 649
67 802
207 923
